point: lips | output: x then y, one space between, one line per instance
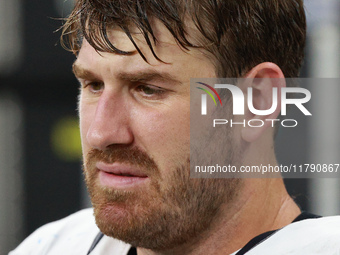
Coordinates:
120 176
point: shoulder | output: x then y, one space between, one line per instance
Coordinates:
66 231
311 236
71 235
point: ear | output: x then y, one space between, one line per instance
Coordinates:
262 81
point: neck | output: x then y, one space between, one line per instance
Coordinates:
262 205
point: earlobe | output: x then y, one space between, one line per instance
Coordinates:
264 83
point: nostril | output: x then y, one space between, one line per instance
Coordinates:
101 135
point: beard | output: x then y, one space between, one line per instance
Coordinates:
171 210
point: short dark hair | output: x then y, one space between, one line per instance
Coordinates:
238 34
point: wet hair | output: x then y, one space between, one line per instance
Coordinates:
237 34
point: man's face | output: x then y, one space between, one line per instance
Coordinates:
135 130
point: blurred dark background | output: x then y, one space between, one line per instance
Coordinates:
37 88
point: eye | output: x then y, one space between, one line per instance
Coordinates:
94 87
150 91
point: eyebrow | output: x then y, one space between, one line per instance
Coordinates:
82 73
139 76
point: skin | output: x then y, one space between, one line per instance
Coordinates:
114 109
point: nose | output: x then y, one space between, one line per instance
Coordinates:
110 125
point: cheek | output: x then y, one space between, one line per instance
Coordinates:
165 134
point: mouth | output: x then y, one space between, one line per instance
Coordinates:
120 176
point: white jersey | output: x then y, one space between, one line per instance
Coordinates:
72 235
75 234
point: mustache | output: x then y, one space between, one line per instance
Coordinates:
127 155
